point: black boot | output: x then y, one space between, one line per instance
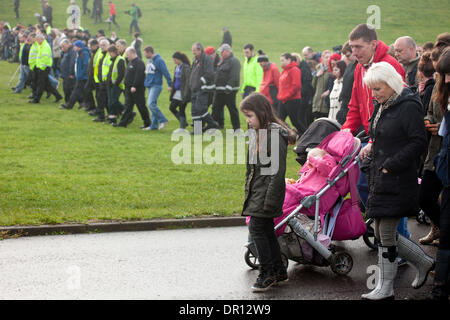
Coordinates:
183 122
210 123
441 286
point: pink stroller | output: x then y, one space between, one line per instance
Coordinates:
334 210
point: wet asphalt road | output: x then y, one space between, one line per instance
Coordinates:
197 264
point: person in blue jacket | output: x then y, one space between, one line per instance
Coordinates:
155 70
81 75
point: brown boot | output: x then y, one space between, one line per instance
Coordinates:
431 236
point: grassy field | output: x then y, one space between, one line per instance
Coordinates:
58 166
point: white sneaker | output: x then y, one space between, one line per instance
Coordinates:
147 128
239 133
181 130
163 125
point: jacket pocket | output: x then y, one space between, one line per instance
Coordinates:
387 183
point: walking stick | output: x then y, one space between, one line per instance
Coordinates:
13 76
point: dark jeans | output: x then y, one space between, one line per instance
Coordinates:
134 24
444 225
247 91
89 97
114 105
263 235
68 87
33 80
113 20
43 84
229 99
291 108
430 189
178 108
78 93
138 99
101 95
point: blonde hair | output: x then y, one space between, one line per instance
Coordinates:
297 56
316 152
384 72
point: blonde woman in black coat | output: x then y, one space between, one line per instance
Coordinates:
398 138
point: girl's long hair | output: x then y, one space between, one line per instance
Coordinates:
265 113
442 91
181 56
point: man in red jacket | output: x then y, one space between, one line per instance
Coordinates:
367 49
289 93
270 81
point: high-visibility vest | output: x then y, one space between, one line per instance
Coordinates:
115 72
33 56
22 45
45 56
105 66
97 57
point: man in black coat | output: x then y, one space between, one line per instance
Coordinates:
134 90
226 82
202 76
48 13
16 8
406 54
226 36
347 82
67 68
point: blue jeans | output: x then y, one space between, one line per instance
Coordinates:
53 81
24 71
402 228
157 116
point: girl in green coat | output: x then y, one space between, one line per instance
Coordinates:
265 185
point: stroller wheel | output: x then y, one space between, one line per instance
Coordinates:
251 260
369 236
341 263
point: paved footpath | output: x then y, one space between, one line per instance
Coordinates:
195 264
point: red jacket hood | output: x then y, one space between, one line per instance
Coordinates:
290 65
381 51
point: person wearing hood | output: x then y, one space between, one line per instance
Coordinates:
399 138
155 70
81 75
368 50
289 92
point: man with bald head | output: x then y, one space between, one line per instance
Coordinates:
309 54
134 90
405 52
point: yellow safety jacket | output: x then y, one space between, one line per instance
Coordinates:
45 56
98 56
115 72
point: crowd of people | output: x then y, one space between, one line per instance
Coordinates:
397 95
340 84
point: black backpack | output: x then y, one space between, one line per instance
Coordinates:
139 12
